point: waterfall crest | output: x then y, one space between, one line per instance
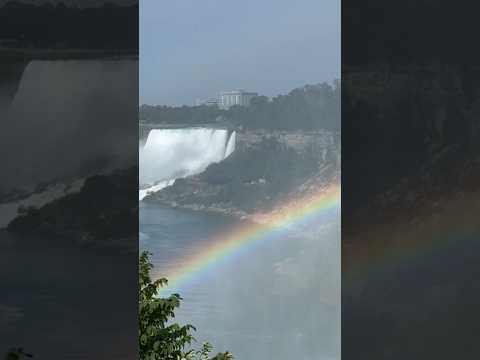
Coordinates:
169 154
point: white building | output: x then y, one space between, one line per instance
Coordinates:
208 102
236 97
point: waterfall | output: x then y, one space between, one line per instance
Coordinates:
169 154
67 120
76 114
231 144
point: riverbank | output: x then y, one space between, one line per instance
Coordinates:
260 279
87 217
265 171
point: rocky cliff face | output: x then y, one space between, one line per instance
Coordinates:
411 249
299 141
10 74
87 217
265 169
396 119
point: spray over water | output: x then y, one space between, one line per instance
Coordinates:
169 154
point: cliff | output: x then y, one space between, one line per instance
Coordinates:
103 213
265 169
400 118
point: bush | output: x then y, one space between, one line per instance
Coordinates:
160 339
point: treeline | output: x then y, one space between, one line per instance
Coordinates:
410 31
47 25
308 108
431 109
87 215
179 115
405 132
280 168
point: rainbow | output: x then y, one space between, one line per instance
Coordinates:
311 209
377 246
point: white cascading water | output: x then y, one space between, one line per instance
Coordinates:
170 154
231 144
76 115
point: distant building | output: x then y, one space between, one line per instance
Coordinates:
236 97
208 102
228 99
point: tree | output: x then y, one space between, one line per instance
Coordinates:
160 339
17 354
311 107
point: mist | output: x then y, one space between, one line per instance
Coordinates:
69 119
286 295
173 153
277 299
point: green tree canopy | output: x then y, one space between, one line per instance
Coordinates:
160 338
311 107
17 354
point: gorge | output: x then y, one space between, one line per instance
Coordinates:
266 168
222 179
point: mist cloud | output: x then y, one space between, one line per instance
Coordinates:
69 119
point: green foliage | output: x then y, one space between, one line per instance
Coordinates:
310 107
179 115
86 214
159 338
17 354
279 168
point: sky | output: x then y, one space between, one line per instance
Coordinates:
192 49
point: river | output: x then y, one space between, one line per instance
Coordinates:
277 300
59 300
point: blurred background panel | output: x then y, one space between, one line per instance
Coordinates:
410 180
68 191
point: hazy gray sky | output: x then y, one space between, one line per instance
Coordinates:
194 49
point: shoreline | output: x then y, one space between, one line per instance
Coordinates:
232 213
259 217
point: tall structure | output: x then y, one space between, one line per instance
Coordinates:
236 97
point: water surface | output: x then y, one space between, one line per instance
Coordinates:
59 300
277 300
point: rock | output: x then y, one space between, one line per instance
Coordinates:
261 173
